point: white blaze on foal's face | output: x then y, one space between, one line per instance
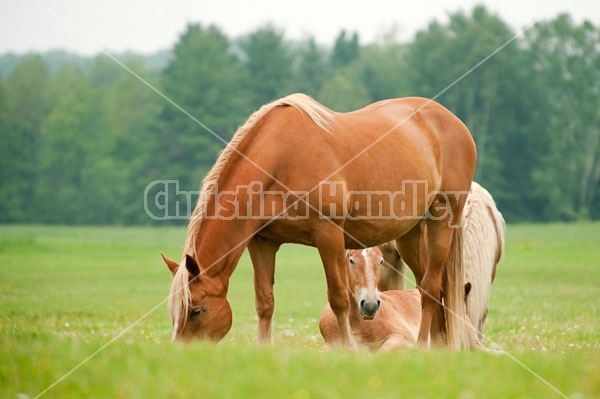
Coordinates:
364 275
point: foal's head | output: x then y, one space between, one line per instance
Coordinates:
364 267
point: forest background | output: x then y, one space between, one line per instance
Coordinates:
82 138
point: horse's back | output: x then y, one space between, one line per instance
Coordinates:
396 132
407 148
412 139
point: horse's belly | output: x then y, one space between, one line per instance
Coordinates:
368 233
375 217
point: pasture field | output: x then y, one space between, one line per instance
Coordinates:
82 315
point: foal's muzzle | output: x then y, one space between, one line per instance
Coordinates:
369 308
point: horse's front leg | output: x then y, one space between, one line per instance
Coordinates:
262 253
331 246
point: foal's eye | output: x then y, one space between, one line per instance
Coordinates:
381 262
196 311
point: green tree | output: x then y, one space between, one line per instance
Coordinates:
311 69
344 91
130 114
489 99
384 69
567 58
104 71
10 153
345 49
204 80
268 65
67 141
26 103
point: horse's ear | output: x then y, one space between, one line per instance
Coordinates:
192 266
467 289
171 264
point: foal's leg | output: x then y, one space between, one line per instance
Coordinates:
331 246
395 342
262 253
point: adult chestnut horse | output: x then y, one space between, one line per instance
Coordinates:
297 172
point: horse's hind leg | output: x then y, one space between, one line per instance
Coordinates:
412 248
440 233
442 226
262 253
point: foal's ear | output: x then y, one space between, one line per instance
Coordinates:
171 264
192 266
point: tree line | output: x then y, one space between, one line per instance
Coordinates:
81 145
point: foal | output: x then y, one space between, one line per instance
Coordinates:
390 325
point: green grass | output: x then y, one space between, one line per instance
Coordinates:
66 293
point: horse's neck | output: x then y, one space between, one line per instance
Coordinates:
219 246
227 228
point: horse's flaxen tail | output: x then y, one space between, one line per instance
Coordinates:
454 294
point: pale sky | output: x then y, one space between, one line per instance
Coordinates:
148 25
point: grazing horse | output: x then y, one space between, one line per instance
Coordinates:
395 324
297 172
483 232
484 229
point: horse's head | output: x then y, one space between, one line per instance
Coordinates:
195 311
363 274
478 323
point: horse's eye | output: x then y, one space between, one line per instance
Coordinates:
381 262
196 311
352 262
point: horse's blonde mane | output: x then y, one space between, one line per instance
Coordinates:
179 298
483 243
318 113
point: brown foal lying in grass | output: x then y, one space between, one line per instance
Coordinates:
381 321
